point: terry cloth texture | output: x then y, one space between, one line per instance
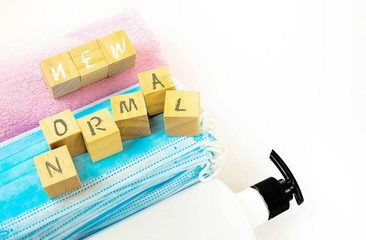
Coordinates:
24 96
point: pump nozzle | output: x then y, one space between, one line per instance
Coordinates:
290 185
278 193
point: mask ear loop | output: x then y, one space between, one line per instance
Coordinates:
217 148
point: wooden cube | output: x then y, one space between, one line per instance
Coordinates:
154 84
182 113
118 51
90 62
130 115
62 129
57 172
60 74
101 135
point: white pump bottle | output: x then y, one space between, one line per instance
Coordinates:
211 211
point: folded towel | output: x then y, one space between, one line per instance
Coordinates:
25 98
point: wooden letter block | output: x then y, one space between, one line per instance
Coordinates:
118 51
90 62
129 112
60 74
154 84
62 129
57 172
101 134
182 113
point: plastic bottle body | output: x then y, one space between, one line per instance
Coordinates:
204 211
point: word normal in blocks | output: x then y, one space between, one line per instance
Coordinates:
102 135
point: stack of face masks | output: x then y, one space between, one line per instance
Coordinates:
148 170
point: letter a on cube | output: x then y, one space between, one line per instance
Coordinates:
101 134
182 113
62 129
57 172
60 74
130 115
154 84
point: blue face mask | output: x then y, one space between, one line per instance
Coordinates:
148 170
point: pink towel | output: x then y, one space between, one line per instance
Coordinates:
25 98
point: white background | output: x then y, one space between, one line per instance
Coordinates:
287 75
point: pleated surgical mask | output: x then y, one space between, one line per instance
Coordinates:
148 170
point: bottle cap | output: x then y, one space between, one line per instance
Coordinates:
278 193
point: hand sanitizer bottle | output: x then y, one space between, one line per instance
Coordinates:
211 211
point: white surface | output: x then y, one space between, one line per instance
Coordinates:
254 206
206 211
287 75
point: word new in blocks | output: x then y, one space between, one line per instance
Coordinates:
57 172
90 62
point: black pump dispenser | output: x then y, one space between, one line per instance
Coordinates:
278 193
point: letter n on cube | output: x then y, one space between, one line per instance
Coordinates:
60 74
57 172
